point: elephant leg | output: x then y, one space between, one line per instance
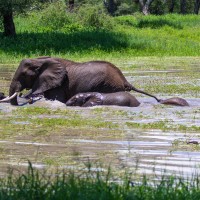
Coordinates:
58 94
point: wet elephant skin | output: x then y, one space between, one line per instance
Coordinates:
60 79
94 98
2 95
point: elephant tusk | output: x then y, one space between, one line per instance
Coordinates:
9 98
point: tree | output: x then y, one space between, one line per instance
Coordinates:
111 6
71 5
196 6
183 7
7 8
7 17
171 6
145 6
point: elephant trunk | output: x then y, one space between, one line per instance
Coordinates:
14 87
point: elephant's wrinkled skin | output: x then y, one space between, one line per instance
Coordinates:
2 95
61 79
95 98
176 101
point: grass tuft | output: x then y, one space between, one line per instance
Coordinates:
97 184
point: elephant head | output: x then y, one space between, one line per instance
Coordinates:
77 100
82 98
39 74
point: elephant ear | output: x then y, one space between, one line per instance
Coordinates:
93 100
51 75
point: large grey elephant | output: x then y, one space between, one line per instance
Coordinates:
61 79
95 98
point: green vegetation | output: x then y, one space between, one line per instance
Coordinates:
98 184
163 125
90 33
45 121
30 111
174 88
181 145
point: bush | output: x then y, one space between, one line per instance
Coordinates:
55 17
158 7
128 20
154 22
125 9
94 16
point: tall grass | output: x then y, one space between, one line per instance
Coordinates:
89 33
98 184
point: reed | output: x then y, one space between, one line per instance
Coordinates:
98 184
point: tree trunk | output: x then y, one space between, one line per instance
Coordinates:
196 7
110 5
171 7
183 7
9 26
71 5
145 6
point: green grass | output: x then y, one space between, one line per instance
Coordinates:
171 89
126 37
159 41
164 125
89 184
44 121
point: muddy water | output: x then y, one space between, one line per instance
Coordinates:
150 150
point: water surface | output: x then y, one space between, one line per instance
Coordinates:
144 150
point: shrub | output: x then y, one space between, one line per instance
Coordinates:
94 16
125 9
55 17
154 22
158 7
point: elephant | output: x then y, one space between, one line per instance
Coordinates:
95 98
2 96
176 101
60 79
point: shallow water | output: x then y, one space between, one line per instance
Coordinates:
142 150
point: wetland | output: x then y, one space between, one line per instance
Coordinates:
149 139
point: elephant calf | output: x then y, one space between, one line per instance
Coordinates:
95 98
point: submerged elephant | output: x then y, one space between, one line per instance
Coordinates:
95 98
61 79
